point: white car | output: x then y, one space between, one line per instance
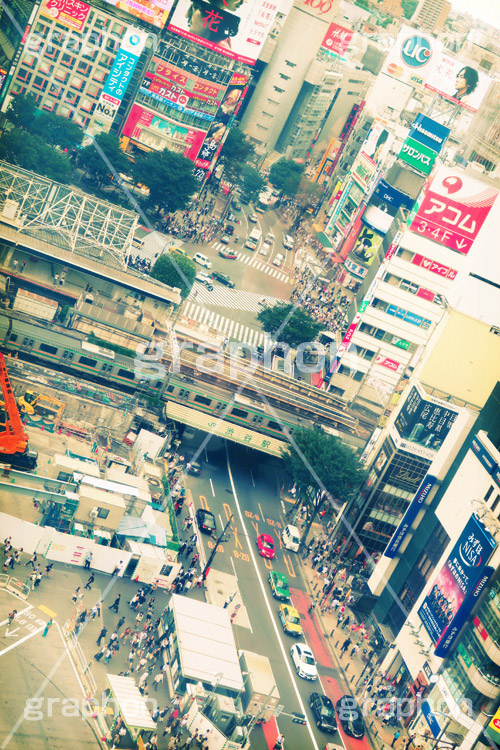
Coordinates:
265 249
253 218
204 278
202 260
269 237
303 661
278 260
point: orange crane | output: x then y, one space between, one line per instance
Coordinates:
13 437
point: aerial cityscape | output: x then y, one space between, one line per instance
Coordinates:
250 374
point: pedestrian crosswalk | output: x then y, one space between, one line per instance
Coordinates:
222 296
253 261
226 326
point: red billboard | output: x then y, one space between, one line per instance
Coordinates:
337 39
157 132
453 209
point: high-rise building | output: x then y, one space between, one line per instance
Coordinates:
281 81
431 14
481 142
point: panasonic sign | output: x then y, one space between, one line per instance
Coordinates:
417 155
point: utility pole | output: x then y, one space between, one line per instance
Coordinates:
221 538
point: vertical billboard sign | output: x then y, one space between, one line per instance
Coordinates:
239 34
458 586
336 39
412 57
424 420
410 515
120 74
453 209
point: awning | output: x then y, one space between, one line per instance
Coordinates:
102 533
323 239
132 528
224 429
132 705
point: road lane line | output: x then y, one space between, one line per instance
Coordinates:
212 486
268 606
18 643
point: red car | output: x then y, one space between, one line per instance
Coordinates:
227 252
266 546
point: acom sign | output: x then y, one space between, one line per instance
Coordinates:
417 155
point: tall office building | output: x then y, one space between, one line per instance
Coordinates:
431 14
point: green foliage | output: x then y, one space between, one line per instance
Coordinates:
175 270
22 111
409 7
299 327
234 154
103 159
123 350
323 469
31 152
57 130
308 193
169 177
251 182
285 175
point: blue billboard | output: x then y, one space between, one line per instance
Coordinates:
392 196
410 515
429 132
458 585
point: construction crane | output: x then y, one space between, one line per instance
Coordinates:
13 438
39 403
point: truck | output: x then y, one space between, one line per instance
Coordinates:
260 697
13 437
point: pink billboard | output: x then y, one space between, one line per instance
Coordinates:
337 39
453 209
156 133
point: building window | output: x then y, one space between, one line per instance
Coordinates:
102 513
87 362
488 494
40 83
77 83
494 505
125 374
23 75
48 349
284 77
61 76
280 91
68 61
290 64
203 400
98 75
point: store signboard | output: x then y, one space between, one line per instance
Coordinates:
484 457
429 132
458 585
337 39
434 267
412 57
120 74
156 133
70 13
392 196
410 515
425 420
417 155
453 209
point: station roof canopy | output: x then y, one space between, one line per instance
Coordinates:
131 703
224 429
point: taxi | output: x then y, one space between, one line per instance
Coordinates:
290 620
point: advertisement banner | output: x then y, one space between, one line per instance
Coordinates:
70 13
417 155
154 12
363 170
459 83
366 246
412 57
238 35
453 209
458 585
196 86
429 132
120 74
390 364
410 515
326 10
337 39
484 457
377 143
155 132
431 265
177 98
424 420
431 720
392 196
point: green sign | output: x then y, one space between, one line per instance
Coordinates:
401 343
464 654
417 155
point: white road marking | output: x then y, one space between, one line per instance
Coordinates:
211 486
18 643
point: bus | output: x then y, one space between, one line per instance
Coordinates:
253 239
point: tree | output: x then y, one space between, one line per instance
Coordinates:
31 152
251 182
169 177
175 269
409 7
103 158
323 469
285 176
57 130
22 111
308 193
234 154
298 328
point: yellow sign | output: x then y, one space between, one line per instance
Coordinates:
495 722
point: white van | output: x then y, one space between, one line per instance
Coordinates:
288 242
202 260
291 538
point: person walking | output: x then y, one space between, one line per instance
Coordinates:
77 595
279 744
396 737
115 604
345 646
31 561
102 635
117 568
119 623
89 583
158 680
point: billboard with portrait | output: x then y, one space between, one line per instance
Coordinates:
458 585
453 209
413 56
234 28
458 82
424 419
154 12
367 244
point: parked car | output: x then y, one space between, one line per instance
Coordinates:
227 252
202 260
206 521
204 278
279 586
235 206
265 249
290 536
278 260
350 716
269 237
223 278
179 251
225 239
323 712
303 661
265 546
194 468
253 218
